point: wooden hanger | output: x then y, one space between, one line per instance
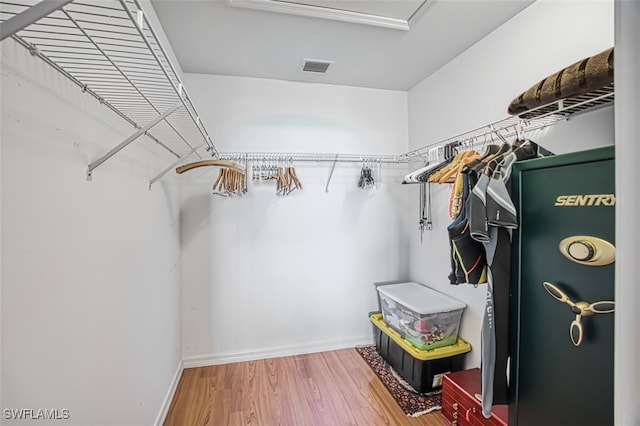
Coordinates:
230 182
287 180
212 162
447 173
444 171
294 178
457 189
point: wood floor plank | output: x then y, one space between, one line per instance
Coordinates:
328 388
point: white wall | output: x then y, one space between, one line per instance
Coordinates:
90 270
627 338
474 89
264 275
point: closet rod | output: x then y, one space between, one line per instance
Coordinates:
509 125
313 157
539 118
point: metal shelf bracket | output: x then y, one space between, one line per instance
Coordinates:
333 166
130 139
174 164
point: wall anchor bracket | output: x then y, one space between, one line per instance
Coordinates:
333 166
130 139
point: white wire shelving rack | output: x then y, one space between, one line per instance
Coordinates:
312 157
529 121
109 49
509 127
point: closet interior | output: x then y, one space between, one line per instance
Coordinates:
270 286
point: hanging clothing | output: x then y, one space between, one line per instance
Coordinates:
496 321
500 209
478 224
468 259
495 232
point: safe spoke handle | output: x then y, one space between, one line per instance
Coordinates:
580 309
603 307
576 330
557 294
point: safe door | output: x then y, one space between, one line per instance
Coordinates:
562 300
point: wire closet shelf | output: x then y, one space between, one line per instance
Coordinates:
527 122
311 157
109 49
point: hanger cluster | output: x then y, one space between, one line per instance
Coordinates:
232 177
367 176
481 207
490 163
435 163
287 181
268 170
230 182
279 169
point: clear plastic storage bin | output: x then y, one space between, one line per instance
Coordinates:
423 316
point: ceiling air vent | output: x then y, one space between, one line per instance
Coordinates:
316 66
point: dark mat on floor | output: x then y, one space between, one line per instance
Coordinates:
412 403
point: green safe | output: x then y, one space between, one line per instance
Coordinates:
562 290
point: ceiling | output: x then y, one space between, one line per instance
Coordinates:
263 39
386 13
398 9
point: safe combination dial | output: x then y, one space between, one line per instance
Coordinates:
581 250
588 250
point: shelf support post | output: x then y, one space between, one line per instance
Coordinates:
130 139
333 166
174 164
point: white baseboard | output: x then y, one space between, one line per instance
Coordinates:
274 352
164 408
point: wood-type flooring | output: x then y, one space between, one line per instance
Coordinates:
333 388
